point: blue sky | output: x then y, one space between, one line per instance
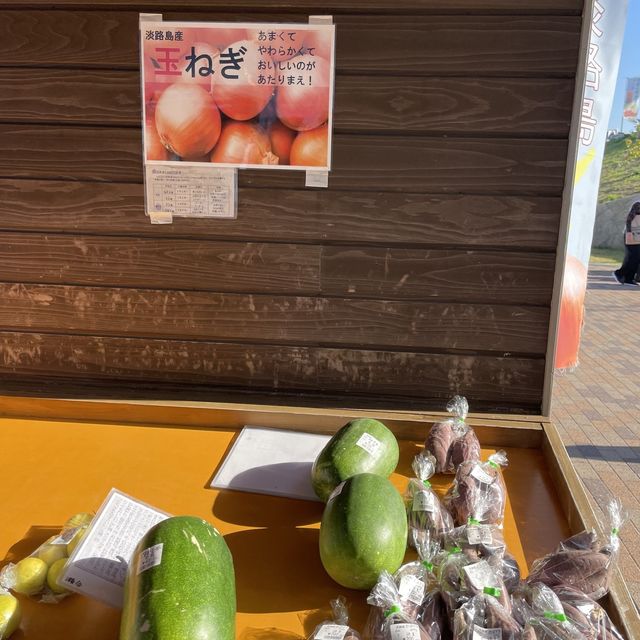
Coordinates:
629 63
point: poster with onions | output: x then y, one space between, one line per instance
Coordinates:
251 96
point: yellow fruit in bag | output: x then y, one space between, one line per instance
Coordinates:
50 553
30 574
55 571
78 520
73 543
10 614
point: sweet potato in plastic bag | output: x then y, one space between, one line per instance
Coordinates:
484 617
338 628
586 569
388 620
586 614
425 513
37 575
478 492
452 442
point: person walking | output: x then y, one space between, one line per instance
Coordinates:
631 263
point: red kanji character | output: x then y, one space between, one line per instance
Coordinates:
170 63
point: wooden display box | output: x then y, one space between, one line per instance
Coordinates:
60 457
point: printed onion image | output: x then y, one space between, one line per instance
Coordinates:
187 120
281 139
318 42
154 148
309 149
238 94
222 38
305 107
243 143
571 313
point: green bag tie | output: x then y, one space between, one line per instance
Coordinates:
473 521
560 617
393 609
427 484
615 531
428 564
494 464
455 550
492 591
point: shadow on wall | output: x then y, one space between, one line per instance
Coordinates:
610 217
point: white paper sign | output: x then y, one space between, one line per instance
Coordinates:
480 575
479 534
486 634
370 444
191 191
424 501
412 588
331 632
150 557
98 566
405 631
480 474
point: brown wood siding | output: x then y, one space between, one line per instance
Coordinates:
425 269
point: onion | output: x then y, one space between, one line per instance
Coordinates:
154 148
222 38
243 98
187 119
243 143
320 42
571 313
305 107
281 138
309 149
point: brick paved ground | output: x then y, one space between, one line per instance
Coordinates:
597 407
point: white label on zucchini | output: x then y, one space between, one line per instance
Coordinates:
336 492
411 588
480 474
486 634
424 501
370 444
405 631
66 536
480 575
331 632
479 534
150 557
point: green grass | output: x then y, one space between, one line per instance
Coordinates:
606 256
620 174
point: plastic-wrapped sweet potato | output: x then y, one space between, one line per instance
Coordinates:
586 614
586 569
338 627
452 442
425 513
478 492
485 613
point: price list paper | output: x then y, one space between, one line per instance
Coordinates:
191 191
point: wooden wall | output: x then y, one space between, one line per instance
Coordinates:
425 269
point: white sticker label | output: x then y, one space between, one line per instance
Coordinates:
331 632
480 575
66 536
150 557
412 589
486 634
479 534
405 632
480 474
336 492
370 444
424 501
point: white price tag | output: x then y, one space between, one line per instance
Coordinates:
424 501
486 634
480 575
331 632
370 444
405 631
336 492
412 589
150 557
480 474
479 534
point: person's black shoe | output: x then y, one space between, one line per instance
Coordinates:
633 283
619 280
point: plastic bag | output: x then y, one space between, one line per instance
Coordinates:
485 542
452 442
37 575
425 513
483 617
478 492
586 614
541 612
388 619
587 569
338 628
10 614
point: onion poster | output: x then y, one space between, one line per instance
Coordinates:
237 95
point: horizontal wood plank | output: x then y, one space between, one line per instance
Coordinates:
561 7
265 214
276 368
395 163
414 274
191 315
522 107
454 275
385 45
